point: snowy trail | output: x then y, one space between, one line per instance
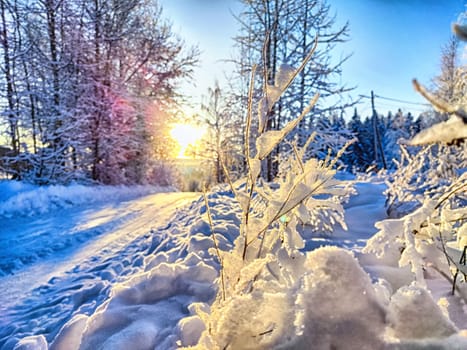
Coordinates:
59 263
362 211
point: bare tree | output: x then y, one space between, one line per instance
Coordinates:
8 76
450 82
81 84
280 34
221 144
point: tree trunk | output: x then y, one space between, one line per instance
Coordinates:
12 118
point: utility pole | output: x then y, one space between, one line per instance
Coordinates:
376 136
375 126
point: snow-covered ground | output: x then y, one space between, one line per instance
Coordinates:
64 256
361 212
142 268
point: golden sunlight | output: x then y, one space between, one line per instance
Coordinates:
187 136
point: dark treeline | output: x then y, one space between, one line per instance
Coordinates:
376 144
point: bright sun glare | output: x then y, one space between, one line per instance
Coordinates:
186 135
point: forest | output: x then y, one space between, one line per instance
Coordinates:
90 90
87 89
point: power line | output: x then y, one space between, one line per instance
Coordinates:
406 108
396 100
402 101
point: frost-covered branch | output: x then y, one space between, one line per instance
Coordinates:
267 249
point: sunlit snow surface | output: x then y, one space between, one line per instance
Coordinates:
126 274
66 260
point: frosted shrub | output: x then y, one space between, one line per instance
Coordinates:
257 305
418 239
163 173
430 189
428 172
317 217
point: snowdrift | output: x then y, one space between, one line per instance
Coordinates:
21 199
339 300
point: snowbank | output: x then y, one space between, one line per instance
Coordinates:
153 308
337 300
12 188
21 199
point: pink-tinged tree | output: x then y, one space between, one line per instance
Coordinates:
10 97
134 57
85 74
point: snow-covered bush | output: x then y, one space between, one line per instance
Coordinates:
431 188
163 173
265 268
428 192
418 239
319 218
428 172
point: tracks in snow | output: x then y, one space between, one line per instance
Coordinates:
71 260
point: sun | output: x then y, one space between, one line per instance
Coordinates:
186 135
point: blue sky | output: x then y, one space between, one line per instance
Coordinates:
391 42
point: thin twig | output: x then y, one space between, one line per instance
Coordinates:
302 66
439 104
229 179
437 223
452 191
249 115
214 239
267 37
246 213
299 158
